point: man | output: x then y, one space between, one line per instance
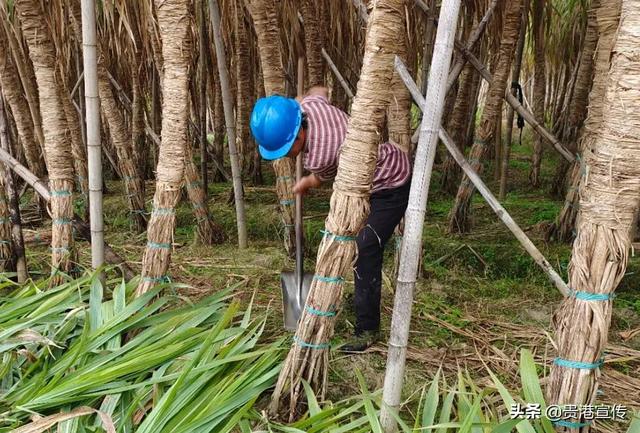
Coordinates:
285 127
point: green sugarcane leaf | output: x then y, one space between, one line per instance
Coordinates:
430 402
95 304
119 297
523 427
370 411
531 387
634 427
314 407
445 411
506 426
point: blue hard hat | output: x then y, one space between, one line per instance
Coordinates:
275 122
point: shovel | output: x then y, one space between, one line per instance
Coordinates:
296 285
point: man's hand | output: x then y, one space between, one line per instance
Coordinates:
310 181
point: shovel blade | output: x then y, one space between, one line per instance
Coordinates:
292 302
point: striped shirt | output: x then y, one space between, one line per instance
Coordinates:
327 130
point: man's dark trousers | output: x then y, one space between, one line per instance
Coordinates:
387 209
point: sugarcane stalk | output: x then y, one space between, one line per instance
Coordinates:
502 213
227 100
414 217
14 206
81 227
515 77
204 155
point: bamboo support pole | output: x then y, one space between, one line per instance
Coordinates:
411 248
502 213
338 75
422 5
528 116
94 145
82 228
14 207
227 100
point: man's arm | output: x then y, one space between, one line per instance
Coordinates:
305 183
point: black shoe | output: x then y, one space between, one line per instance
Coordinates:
361 341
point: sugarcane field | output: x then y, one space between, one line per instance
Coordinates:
319 216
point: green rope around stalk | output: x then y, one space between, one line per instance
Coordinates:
4 220
287 202
61 221
583 165
164 279
304 344
586 296
61 193
339 238
60 249
561 362
163 211
158 245
4 242
284 178
328 279
320 313
570 424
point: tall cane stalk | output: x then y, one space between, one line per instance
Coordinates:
227 100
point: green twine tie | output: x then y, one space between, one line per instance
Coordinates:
339 238
320 313
158 245
304 344
328 279
561 362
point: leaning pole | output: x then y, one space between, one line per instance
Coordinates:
94 148
414 216
227 100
